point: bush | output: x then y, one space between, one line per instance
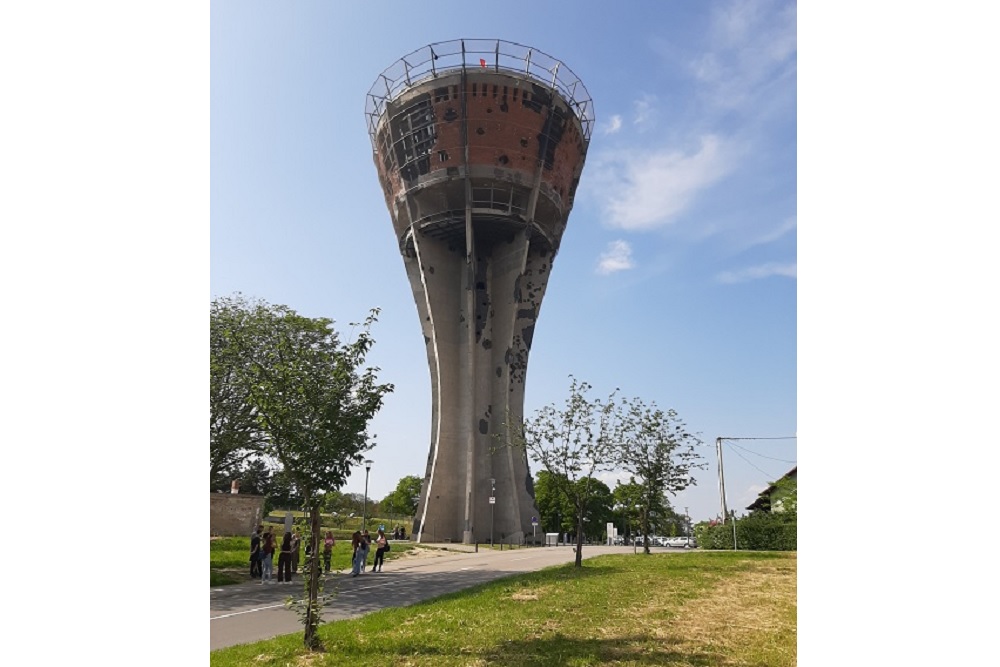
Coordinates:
760 531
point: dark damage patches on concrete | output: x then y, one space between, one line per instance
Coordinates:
499 371
527 333
526 313
427 340
484 426
487 344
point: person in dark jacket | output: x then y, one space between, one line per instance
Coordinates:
285 560
255 553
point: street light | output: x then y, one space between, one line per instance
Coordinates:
493 501
364 516
687 528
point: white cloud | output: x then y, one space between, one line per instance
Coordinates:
776 233
753 43
645 111
648 190
614 124
757 272
618 257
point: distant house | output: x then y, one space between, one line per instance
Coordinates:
770 500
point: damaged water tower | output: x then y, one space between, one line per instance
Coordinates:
479 147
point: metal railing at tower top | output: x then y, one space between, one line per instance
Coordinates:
496 55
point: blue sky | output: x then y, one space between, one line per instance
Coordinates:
676 278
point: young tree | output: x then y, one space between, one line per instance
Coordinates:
572 443
312 398
655 446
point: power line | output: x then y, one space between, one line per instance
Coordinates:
760 455
722 478
751 464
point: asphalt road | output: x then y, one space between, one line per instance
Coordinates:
250 612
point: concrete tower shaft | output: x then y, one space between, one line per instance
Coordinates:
479 146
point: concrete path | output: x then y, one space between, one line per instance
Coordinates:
250 612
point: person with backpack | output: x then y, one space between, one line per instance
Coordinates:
381 546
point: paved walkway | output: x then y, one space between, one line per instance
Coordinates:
250 612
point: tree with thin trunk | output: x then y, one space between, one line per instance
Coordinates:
312 397
573 444
656 447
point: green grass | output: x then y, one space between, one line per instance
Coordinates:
691 609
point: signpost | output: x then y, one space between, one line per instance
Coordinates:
534 524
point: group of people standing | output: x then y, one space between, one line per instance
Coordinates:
263 546
361 543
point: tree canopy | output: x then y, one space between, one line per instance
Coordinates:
656 447
289 389
572 443
403 499
588 436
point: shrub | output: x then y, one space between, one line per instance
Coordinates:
760 531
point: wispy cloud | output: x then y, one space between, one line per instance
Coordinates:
614 124
646 190
753 43
617 257
787 270
645 112
772 235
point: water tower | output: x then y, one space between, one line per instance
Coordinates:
479 147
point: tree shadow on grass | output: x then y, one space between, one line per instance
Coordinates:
557 650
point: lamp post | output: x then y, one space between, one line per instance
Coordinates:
493 504
638 530
687 528
364 515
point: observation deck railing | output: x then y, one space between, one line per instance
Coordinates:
442 58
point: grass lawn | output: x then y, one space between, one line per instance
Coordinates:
698 609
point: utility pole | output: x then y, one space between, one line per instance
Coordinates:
722 479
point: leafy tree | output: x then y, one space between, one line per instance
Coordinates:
235 434
598 510
656 447
282 492
312 399
628 498
255 476
572 443
403 500
555 511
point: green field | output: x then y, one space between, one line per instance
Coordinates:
695 608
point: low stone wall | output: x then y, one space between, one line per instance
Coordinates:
235 513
